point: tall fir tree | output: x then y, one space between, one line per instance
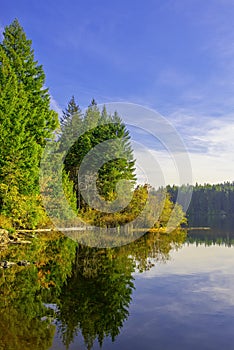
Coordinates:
26 121
71 122
97 128
18 149
32 77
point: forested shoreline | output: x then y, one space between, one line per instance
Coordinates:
211 204
28 124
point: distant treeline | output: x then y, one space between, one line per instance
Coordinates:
210 237
209 203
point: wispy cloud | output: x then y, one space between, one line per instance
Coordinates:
215 263
206 133
209 143
1 32
55 106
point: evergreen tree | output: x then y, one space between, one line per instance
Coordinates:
209 203
26 121
70 122
71 115
121 167
32 77
18 150
98 127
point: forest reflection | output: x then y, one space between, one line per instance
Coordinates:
78 290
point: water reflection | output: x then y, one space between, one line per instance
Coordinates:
90 288
219 222
67 292
25 321
96 298
212 236
186 303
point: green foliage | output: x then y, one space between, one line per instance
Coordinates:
5 222
209 203
25 320
25 211
32 77
91 288
96 298
148 209
57 191
70 122
18 150
25 122
95 128
171 214
18 331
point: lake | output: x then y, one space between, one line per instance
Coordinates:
160 292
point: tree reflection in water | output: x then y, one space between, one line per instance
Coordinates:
90 287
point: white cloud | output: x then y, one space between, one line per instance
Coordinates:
208 140
156 168
210 144
1 32
55 106
208 169
205 259
218 137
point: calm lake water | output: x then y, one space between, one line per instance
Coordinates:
171 292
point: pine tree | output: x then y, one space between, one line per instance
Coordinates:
71 123
26 121
32 77
120 167
18 150
71 115
98 127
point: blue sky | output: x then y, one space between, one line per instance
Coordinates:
174 56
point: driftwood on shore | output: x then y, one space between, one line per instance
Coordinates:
56 229
198 228
9 238
36 230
